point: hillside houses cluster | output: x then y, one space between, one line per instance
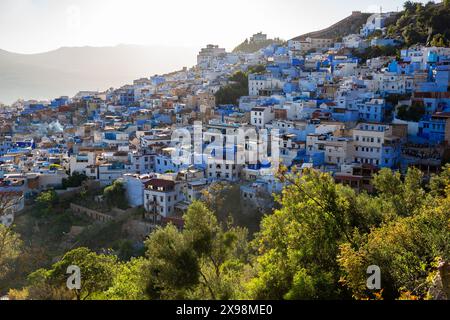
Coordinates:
328 110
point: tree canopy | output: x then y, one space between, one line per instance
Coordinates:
317 245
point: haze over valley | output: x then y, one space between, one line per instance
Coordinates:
67 70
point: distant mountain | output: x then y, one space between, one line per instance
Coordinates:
349 25
66 71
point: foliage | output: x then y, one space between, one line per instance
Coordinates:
115 195
298 244
10 249
374 52
75 180
251 47
393 99
413 113
46 201
14 294
97 273
231 93
203 261
129 282
423 24
225 200
404 248
326 235
317 245
237 87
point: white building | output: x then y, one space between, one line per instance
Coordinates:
258 83
260 116
79 162
161 196
134 186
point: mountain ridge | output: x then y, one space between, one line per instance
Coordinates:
348 25
67 70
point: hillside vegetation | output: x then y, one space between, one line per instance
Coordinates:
317 245
423 24
250 47
237 87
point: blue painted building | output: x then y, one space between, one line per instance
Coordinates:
432 128
59 102
372 111
126 96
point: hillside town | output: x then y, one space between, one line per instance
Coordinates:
316 100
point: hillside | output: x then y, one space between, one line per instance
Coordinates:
250 47
349 25
66 71
423 24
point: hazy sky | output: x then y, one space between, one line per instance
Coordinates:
30 26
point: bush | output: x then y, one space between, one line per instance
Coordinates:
413 113
74 181
115 195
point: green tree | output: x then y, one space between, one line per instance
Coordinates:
409 6
297 245
203 261
97 274
404 249
129 282
237 86
173 264
438 41
398 198
75 180
115 195
46 201
413 113
407 247
10 249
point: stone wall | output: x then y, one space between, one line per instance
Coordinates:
93 214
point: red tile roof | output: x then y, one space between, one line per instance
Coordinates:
160 183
